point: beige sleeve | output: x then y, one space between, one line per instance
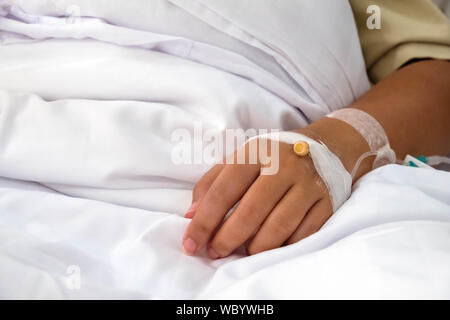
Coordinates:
410 29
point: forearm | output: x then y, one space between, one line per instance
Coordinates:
412 105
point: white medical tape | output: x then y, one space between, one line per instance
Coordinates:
328 166
371 131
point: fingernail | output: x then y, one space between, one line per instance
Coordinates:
212 253
189 246
190 212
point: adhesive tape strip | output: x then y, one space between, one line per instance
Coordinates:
328 166
372 132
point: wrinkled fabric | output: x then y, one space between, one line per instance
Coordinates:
389 240
88 185
286 39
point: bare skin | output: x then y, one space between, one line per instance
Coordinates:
413 106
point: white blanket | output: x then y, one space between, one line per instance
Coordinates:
88 190
390 240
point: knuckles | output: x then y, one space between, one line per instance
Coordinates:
281 228
201 228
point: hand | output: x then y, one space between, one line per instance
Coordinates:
273 210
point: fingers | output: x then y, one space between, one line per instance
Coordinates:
254 207
313 221
273 210
284 219
201 187
229 186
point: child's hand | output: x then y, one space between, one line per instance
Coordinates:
273 210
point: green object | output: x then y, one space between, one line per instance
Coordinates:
420 158
423 159
412 164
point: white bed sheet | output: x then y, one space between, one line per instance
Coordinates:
390 240
87 181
